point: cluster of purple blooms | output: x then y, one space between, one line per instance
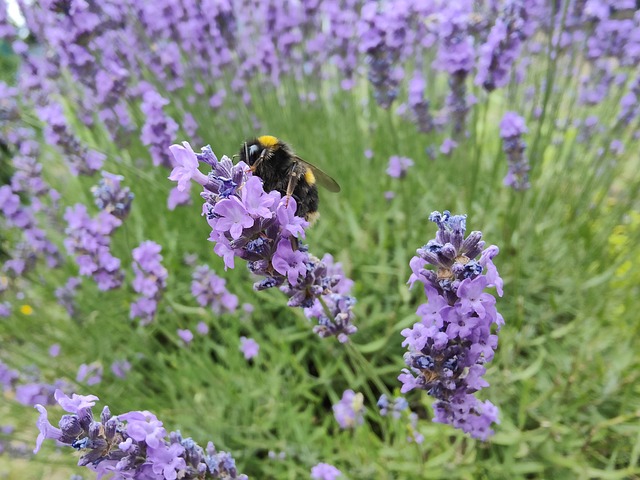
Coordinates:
88 240
418 102
512 127
159 129
80 159
150 281
325 471
120 368
395 406
210 291
24 148
110 196
398 166
349 411
33 243
262 228
19 139
382 31
249 347
504 43
134 445
89 374
8 377
105 49
448 348
26 386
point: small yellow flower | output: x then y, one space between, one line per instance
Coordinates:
26 310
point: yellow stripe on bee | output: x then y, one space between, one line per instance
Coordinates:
268 140
309 177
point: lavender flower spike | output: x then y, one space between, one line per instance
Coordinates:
112 197
448 348
132 445
262 228
150 281
512 127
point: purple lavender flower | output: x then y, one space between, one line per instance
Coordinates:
396 406
88 241
512 127
186 167
332 312
8 377
111 197
150 281
202 328
629 105
448 348
249 347
448 146
289 262
159 129
261 227
419 104
456 56
90 374
120 368
31 393
382 31
80 159
349 411
185 335
34 242
398 166
325 471
131 445
503 45
399 408
5 309
210 291
54 350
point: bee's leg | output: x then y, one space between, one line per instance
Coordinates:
293 181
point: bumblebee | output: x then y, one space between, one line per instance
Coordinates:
281 169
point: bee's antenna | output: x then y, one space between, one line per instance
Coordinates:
246 151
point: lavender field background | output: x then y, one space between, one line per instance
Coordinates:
523 115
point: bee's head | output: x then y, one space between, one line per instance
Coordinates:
252 150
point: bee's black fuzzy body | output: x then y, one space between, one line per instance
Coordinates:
279 168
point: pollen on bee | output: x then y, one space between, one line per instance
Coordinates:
309 177
268 140
312 217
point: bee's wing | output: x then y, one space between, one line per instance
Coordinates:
322 178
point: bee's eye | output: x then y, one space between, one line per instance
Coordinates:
253 151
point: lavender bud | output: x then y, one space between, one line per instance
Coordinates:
105 415
110 429
95 430
70 426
